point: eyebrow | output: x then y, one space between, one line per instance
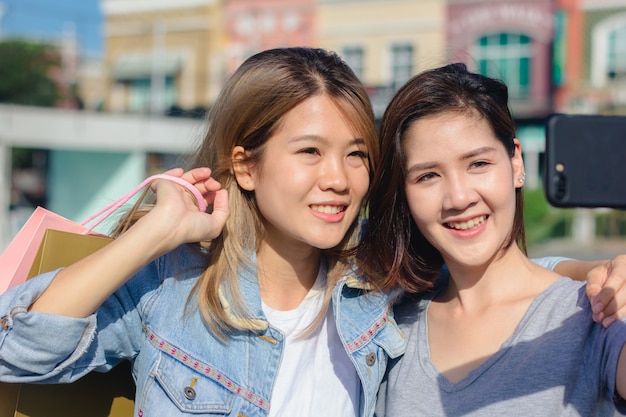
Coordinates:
479 151
321 139
469 155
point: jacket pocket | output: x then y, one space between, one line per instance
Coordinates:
176 388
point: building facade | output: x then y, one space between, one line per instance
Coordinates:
605 37
162 54
253 26
384 41
510 40
176 54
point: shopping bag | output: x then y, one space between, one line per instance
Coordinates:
48 242
108 394
17 259
61 248
97 394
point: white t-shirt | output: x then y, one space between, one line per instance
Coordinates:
316 377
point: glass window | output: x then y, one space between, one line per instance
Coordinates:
139 95
608 51
616 60
507 56
401 64
353 55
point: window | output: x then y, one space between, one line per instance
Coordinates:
139 91
139 95
506 56
608 46
353 55
401 64
616 60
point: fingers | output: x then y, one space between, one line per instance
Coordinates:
196 175
596 278
202 180
220 213
607 291
175 172
177 215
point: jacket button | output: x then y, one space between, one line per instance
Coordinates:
370 359
190 393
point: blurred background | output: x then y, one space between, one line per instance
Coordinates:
97 94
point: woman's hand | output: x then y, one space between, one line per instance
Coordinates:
176 211
606 288
80 288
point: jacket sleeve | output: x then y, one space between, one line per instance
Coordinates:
40 347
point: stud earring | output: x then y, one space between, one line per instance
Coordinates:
522 178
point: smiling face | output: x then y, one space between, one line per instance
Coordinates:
460 186
312 178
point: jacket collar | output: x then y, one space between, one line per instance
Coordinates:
251 294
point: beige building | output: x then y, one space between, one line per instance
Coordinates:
161 53
384 41
92 83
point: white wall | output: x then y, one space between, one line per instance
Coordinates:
95 158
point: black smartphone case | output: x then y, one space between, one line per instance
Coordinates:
585 161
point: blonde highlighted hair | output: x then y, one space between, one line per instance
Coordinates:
247 112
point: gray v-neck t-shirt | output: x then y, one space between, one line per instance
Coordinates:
558 362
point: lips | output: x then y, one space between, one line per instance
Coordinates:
469 224
328 209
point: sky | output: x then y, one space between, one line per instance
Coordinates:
46 19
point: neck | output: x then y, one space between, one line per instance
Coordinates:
509 274
285 277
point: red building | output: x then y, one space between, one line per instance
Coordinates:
510 40
568 52
253 25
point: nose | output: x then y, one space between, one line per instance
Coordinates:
333 174
459 193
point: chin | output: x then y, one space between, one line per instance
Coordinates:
326 244
323 246
327 241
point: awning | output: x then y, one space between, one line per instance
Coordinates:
134 66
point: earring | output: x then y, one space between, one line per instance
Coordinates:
522 178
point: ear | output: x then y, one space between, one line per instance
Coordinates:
519 174
242 169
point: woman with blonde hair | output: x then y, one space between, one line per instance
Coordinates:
262 317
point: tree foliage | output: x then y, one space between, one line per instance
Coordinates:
27 73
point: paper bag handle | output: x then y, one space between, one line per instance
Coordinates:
102 214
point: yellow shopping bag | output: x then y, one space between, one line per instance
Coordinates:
108 394
47 242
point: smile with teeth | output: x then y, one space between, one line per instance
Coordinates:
468 224
327 209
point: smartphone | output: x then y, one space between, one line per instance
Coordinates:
585 161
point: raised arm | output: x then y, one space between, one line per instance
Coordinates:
606 285
606 288
79 289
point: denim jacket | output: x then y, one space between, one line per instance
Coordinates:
179 365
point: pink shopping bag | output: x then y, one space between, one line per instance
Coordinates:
44 244
17 259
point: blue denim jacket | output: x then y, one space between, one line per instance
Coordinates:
179 365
